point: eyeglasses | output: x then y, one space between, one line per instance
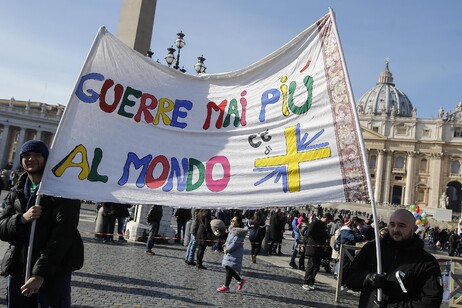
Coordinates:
30 155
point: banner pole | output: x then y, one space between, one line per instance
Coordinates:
31 244
363 150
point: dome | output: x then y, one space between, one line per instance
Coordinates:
385 98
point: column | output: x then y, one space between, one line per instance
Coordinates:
19 143
379 177
437 171
136 23
4 146
386 190
38 135
410 179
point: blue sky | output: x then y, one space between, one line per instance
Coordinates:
44 43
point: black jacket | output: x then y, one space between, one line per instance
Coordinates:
155 214
315 238
204 230
58 247
422 274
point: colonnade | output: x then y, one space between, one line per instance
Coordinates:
386 175
11 139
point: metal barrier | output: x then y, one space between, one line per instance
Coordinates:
344 249
455 283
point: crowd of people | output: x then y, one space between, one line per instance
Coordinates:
410 276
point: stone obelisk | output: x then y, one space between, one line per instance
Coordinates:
136 23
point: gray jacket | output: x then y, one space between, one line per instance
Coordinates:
235 248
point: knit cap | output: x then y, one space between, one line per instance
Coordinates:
35 146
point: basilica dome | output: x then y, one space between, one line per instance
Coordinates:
385 98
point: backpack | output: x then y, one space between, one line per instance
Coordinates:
304 235
337 243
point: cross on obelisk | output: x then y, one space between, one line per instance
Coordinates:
136 23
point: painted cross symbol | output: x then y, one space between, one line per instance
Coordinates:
288 166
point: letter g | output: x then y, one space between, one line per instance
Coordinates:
92 96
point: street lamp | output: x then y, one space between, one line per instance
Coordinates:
199 66
170 57
175 61
179 43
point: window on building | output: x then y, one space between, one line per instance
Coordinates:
375 129
455 167
427 132
457 132
420 195
401 130
423 165
399 162
373 161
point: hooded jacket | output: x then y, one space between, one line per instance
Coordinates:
422 276
58 247
235 248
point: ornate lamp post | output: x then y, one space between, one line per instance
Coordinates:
199 66
179 43
171 59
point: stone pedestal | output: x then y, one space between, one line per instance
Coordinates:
138 229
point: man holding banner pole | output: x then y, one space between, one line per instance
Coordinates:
57 248
411 276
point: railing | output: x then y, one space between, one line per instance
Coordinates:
344 249
455 283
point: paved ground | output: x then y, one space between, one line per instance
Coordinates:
122 275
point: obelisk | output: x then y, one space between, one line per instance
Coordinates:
136 23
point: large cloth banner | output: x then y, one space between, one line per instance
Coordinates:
281 132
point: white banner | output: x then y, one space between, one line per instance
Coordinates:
281 132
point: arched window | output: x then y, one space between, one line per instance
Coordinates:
399 162
455 167
423 165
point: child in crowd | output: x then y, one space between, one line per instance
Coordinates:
234 253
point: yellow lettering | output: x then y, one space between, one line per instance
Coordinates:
68 162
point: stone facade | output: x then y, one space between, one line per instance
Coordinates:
411 160
21 121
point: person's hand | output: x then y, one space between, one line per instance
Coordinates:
32 213
32 286
375 280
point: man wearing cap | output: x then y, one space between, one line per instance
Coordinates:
411 276
57 248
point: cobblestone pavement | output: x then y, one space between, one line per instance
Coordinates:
122 275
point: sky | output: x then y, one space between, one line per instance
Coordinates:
44 43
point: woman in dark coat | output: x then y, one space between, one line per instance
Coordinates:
277 223
204 235
257 232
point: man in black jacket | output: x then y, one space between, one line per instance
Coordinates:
315 239
154 217
58 247
411 276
